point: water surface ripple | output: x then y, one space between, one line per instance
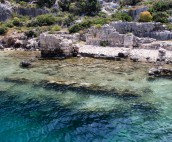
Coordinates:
33 113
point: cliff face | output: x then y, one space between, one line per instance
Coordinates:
32 12
5 12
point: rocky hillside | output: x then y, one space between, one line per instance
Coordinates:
22 21
77 15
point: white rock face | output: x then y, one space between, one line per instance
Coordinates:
57 46
5 12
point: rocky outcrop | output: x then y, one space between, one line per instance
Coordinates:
158 72
25 64
56 46
19 40
32 12
5 12
14 40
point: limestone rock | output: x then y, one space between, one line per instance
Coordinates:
32 12
5 12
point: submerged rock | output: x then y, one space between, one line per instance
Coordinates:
16 80
160 72
25 64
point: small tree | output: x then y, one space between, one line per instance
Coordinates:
145 17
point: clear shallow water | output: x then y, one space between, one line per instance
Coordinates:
32 113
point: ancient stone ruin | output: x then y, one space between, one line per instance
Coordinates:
148 29
57 46
111 37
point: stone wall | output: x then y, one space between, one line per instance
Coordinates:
54 45
150 29
111 37
95 36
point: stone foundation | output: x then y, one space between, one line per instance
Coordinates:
56 46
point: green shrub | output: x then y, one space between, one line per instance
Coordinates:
121 16
44 20
129 2
98 26
102 14
79 7
3 30
56 28
100 21
16 21
145 16
161 5
81 26
9 24
47 3
104 43
30 34
169 26
23 3
161 17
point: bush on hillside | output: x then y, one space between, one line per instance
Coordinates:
161 17
56 28
45 20
79 7
16 21
121 16
169 26
104 43
161 5
129 2
80 26
3 30
30 34
145 17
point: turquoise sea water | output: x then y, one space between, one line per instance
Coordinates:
29 112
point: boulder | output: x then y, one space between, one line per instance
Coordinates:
154 71
25 64
160 72
161 54
123 54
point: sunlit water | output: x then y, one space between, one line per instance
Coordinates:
32 113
